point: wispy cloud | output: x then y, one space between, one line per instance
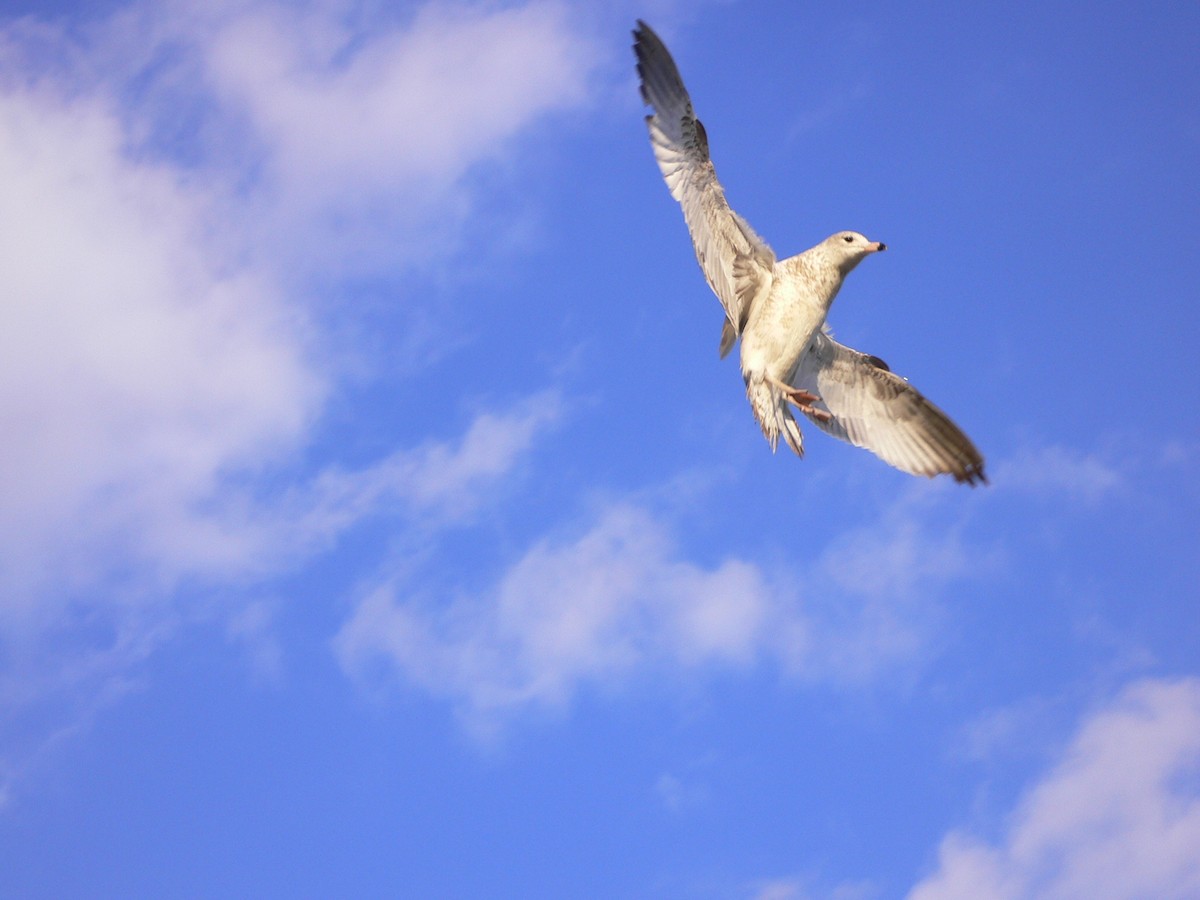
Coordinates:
810 888
345 107
1060 471
70 649
594 607
363 134
621 596
189 186
437 483
144 358
622 599
1118 816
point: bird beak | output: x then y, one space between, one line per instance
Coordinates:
878 246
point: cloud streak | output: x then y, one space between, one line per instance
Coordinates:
437 484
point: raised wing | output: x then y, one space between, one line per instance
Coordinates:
874 409
737 263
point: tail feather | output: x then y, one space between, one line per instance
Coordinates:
791 433
773 413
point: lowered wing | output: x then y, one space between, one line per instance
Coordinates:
881 412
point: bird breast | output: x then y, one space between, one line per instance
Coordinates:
780 329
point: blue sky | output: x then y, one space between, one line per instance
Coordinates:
378 520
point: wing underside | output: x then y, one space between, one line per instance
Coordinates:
875 409
736 262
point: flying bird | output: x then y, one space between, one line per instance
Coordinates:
778 308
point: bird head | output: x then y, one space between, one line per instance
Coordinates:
848 248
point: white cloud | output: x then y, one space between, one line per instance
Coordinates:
347 139
1118 817
871 595
622 599
593 608
135 371
183 180
435 484
359 108
75 647
145 355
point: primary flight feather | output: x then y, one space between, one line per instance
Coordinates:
778 307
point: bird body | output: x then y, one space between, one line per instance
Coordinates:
781 326
780 329
778 307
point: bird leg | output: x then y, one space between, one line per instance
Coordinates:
803 400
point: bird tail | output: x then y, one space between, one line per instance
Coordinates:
773 413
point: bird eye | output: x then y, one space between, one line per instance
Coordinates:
849 239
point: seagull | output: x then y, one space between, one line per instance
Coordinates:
778 308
